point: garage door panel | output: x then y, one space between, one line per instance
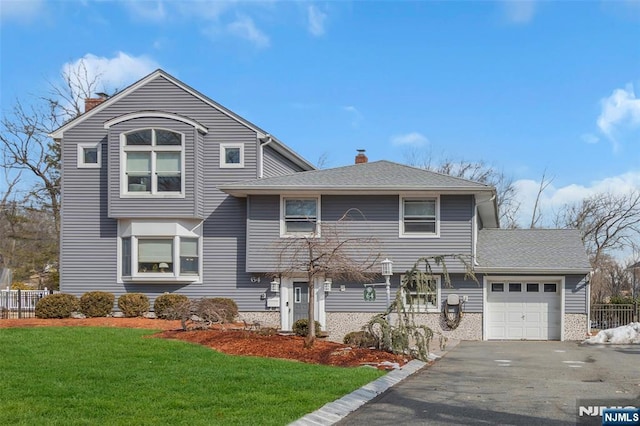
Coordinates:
531 314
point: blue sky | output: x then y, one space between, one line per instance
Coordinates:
524 86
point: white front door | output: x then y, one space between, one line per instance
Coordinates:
523 310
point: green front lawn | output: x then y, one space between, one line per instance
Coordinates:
115 376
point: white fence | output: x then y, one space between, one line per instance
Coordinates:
20 303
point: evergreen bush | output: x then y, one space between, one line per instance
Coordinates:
133 304
172 306
58 305
96 303
301 327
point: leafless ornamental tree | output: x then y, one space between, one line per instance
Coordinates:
608 222
331 250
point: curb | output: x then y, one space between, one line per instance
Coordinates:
335 411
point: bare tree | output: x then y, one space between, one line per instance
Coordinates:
608 222
330 251
536 215
508 205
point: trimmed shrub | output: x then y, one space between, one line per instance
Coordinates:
360 339
97 303
217 310
59 305
172 306
301 327
133 304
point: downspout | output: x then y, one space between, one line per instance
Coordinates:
262 141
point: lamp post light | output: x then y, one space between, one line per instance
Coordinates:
387 271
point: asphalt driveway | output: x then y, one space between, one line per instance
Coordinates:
514 383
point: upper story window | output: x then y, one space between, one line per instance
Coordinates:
89 155
153 162
300 216
231 155
423 297
419 217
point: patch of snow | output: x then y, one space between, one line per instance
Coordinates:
623 335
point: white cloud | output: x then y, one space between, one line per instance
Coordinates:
519 11
412 139
21 10
554 198
114 73
244 27
316 20
620 113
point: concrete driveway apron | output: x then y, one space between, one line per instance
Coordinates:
517 383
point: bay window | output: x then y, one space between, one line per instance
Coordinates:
159 251
153 162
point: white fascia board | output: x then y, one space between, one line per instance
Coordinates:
241 191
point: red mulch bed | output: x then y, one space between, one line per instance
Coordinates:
236 342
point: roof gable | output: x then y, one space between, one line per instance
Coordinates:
279 146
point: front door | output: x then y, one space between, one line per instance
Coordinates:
300 300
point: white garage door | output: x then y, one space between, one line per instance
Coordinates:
526 310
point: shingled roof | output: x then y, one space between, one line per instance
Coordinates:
374 176
531 251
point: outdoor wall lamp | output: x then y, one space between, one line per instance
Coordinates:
327 284
387 272
275 285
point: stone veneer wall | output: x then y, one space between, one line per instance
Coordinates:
266 319
341 323
575 326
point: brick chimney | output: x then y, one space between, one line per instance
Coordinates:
91 103
361 157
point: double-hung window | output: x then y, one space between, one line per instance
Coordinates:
153 162
419 216
300 216
423 297
159 251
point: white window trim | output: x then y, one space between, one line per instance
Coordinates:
283 226
401 232
223 163
124 188
81 148
427 309
158 229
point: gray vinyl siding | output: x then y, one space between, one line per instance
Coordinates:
276 164
352 300
376 216
576 295
89 236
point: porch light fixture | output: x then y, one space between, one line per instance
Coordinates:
387 272
275 285
327 284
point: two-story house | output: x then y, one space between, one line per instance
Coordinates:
165 190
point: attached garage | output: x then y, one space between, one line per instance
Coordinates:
523 309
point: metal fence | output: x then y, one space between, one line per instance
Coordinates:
20 303
608 315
